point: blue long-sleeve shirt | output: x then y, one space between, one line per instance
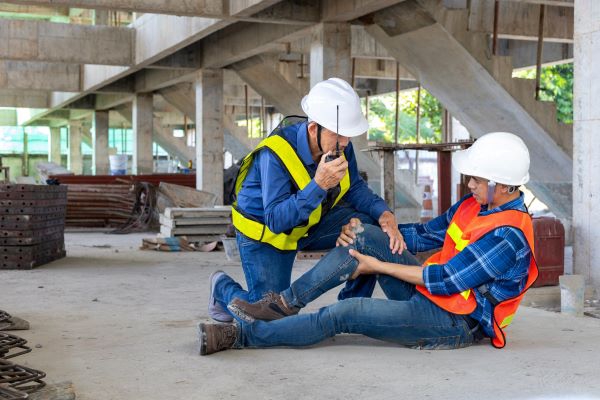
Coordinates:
499 259
269 194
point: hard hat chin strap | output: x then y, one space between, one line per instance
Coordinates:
490 192
319 128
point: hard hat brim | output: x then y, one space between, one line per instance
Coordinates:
465 166
348 131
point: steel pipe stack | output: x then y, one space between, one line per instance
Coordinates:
32 225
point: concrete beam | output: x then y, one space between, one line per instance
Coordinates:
110 101
520 20
206 8
244 40
24 98
344 10
39 76
524 53
261 73
558 3
65 43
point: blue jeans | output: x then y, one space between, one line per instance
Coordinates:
405 317
269 269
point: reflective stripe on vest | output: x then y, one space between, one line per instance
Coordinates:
287 156
466 227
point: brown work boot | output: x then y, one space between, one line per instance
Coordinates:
216 337
269 308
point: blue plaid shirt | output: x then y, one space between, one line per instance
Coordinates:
499 259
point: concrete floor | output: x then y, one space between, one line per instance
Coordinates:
121 324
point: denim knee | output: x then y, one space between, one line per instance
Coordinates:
370 236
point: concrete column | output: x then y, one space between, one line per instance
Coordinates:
75 158
387 168
100 164
330 58
54 146
586 146
209 132
142 121
330 53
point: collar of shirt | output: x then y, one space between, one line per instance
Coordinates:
303 147
516 204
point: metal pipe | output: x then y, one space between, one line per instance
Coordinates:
418 133
247 111
262 117
397 102
495 37
540 48
353 71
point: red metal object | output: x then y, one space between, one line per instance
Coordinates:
444 181
155 179
549 242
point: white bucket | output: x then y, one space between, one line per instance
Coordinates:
572 291
118 164
231 248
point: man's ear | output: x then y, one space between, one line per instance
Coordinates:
503 188
312 128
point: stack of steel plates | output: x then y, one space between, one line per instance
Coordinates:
32 225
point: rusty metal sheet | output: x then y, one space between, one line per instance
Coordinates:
48 244
32 195
59 227
30 218
32 203
11 241
32 188
30 264
30 225
22 210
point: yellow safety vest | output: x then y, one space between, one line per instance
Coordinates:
257 230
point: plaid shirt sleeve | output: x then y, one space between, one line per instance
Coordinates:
428 236
492 257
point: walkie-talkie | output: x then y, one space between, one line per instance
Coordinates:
331 157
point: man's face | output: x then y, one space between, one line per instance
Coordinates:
328 139
479 188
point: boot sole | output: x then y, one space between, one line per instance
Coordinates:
240 313
211 298
202 340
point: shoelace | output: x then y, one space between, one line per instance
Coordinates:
228 338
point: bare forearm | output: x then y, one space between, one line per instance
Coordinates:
408 273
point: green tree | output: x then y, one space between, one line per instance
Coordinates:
382 118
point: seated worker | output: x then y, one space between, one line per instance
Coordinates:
469 290
291 196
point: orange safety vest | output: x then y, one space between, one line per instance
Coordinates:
467 227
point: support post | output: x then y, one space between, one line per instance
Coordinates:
142 120
54 146
75 158
586 146
209 132
387 168
540 50
100 164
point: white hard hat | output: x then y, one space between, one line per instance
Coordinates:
320 105
501 157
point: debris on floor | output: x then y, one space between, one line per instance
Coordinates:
168 244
